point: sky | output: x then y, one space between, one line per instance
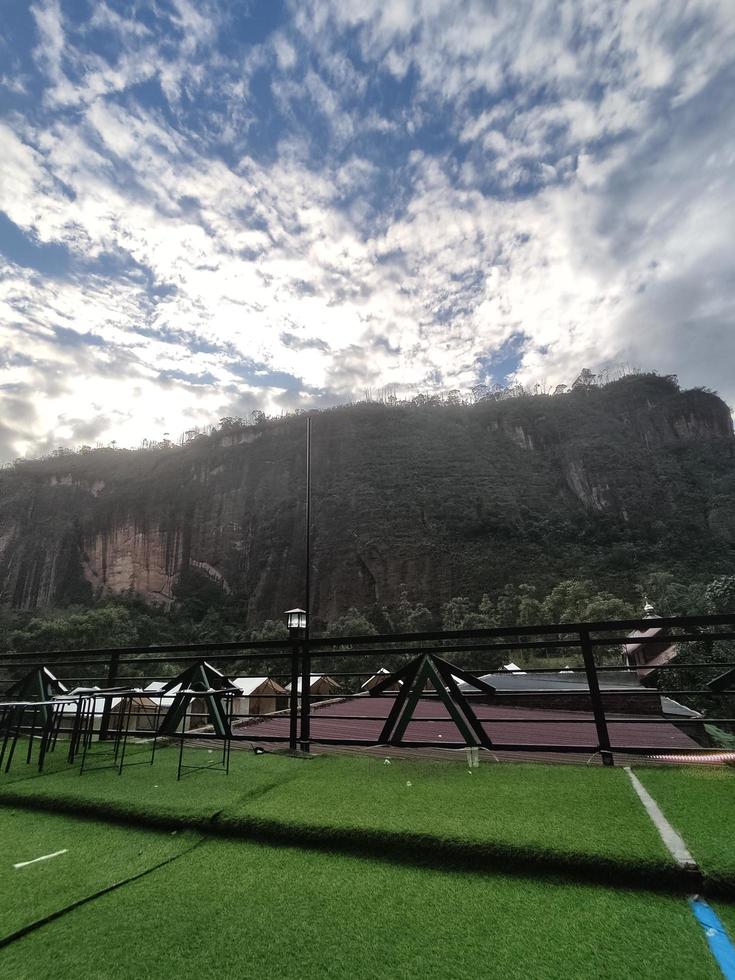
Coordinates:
209 207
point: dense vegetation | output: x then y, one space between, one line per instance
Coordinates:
425 514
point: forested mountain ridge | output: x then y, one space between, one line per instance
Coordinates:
607 482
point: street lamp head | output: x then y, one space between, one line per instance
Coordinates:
296 619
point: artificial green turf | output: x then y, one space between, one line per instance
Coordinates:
549 814
236 909
585 819
149 793
97 855
699 802
726 912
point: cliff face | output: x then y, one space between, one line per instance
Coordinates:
449 500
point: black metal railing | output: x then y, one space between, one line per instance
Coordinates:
704 680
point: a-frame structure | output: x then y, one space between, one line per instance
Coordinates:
38 684
204 682
413 679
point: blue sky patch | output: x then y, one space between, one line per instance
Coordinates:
284 203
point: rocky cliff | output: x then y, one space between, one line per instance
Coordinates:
449 499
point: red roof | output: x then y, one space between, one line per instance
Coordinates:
516 725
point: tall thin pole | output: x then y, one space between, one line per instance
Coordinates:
305 654
307 576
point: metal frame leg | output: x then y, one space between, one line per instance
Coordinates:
125 714
29 753
17 724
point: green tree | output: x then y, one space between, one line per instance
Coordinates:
671 597
530 610
719 595
108 626
271 629
456 612
353 623
410 617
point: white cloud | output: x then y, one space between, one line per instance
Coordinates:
582 199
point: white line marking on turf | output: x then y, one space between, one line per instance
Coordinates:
44 857
675 845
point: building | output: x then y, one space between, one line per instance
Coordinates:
320 686
566 690
377 677
259 696
645 653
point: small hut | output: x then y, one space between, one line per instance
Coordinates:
161 703
381 675
141 712
321 686
69 704
259 696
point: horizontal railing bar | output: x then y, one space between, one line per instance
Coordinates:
167 648
478 695
554 629
447 719
540 630
495 747
530 645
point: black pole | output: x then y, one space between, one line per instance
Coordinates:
307 570
294 695
305 650
598 707
305 696
107 706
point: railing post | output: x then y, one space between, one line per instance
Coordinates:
598 708
293 730
305 695
111 679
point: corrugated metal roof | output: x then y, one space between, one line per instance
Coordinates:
525 726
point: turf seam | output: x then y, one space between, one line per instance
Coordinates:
86 899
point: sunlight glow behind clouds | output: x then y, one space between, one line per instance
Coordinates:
271 211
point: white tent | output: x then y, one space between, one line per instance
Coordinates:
258 696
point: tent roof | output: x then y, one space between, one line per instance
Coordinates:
249 685
313 678
378 673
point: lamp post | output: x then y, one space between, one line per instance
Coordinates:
296 623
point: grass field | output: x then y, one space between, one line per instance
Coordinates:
97 855
588 819
148 791
233 909
562 813
299 904
699 802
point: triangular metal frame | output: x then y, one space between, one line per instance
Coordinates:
203 676
414 677
38 684
204 681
